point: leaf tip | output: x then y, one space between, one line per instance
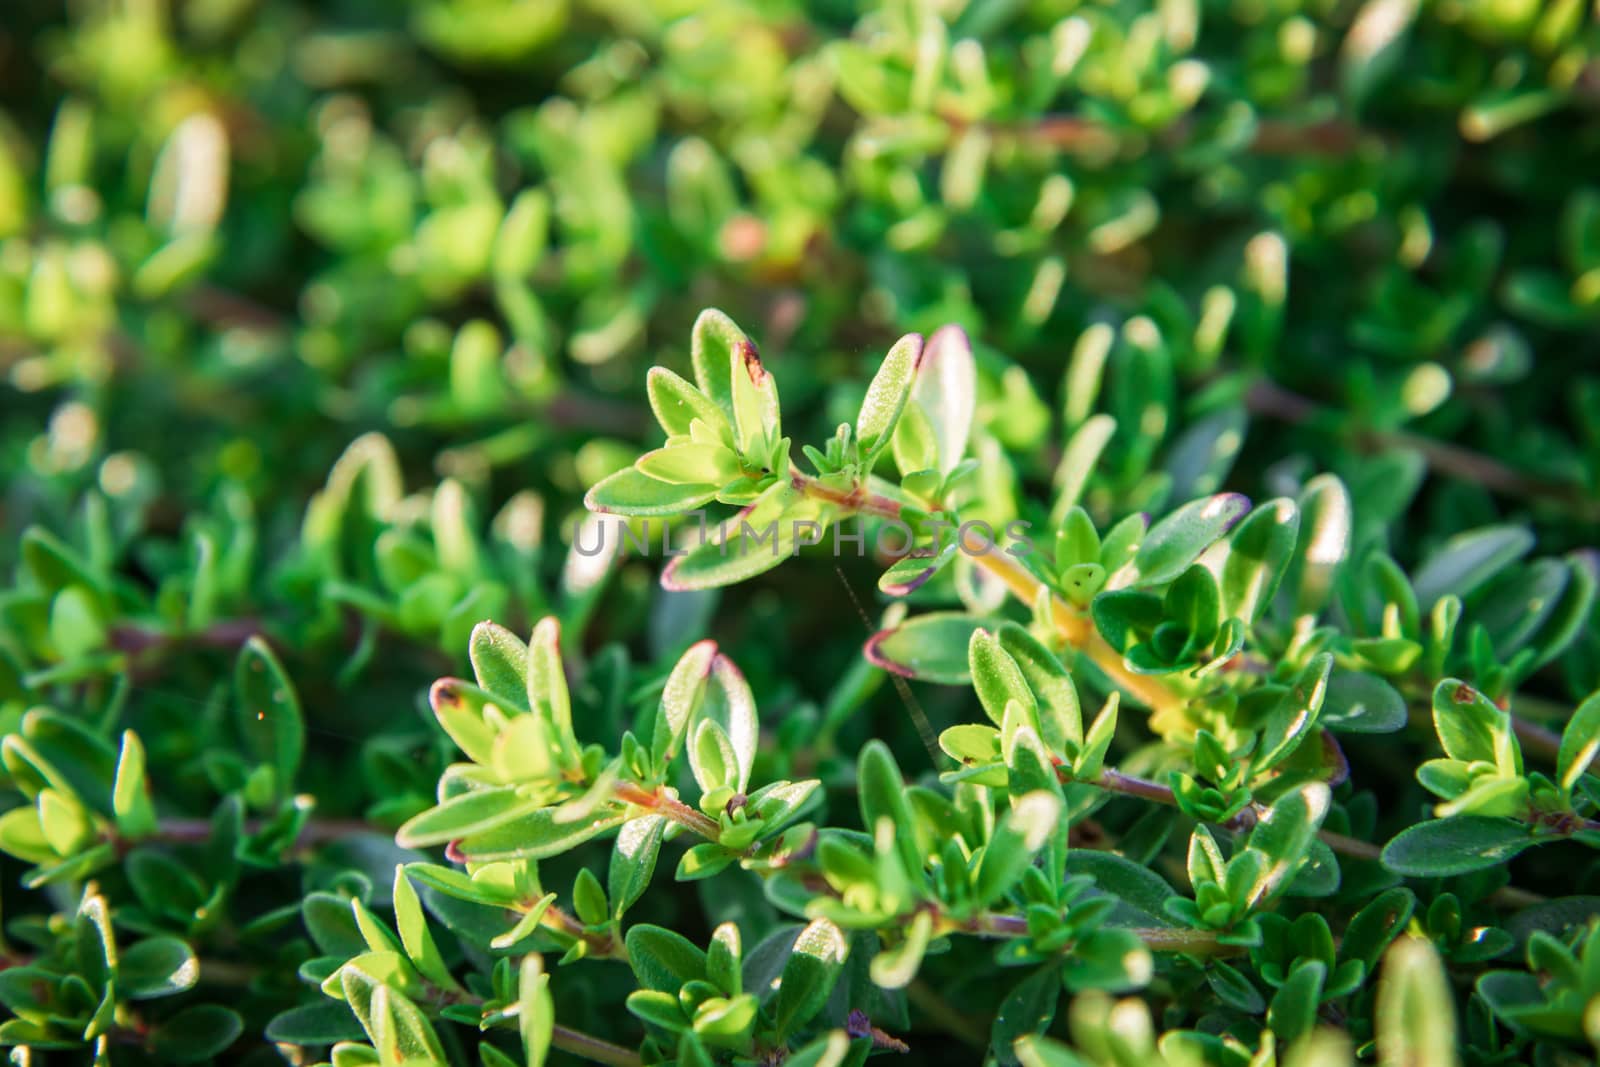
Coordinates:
876 656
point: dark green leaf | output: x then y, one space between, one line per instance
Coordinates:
1177 540
662 959
1441 848
931 648
808 978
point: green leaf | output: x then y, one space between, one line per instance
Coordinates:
524 232
882 793
1028 1009
931 648
1108 959
536 1014
321 1023
971 743
1060 713
462 710
1325 521
415 935
662 959
22 835
1125 616
703 861
1489 795
65 823
1022 832
690 465
677 404
913 570
1259 554
756 540
1415 1013
536 835
683 693
1172 544
886 398
1193 602
633 861
756 417
196 1034
630 492
1468 560
945 390
1294 1006
1376 925
1284 836
914 446
1078 460
130 794
778 803
1471 727
500 663
396 1026
96 945
730 704
895 968
547 684
524 927
658 1009
1294 717
464 814
1359 703
1141 893
813 967
996 677
332 925
723 959
1097 742
483 888
76 629
1442 848
1579 743
713 341
1033 1050
692 1051
156 967
268 711
711 757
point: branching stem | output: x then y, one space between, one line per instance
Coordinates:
592 1048
672 808
1267 398
1078 630
1156 938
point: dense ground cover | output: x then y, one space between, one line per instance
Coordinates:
350 348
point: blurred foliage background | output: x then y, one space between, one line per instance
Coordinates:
1271 237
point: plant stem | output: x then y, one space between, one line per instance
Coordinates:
1114 781
1536 739
860 499
592 1048
1156 938
1074 626
1089 136
672 808
1079 632
314 832
945 1015
1268 398
1353 847
605 947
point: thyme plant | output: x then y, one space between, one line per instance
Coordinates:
428 639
